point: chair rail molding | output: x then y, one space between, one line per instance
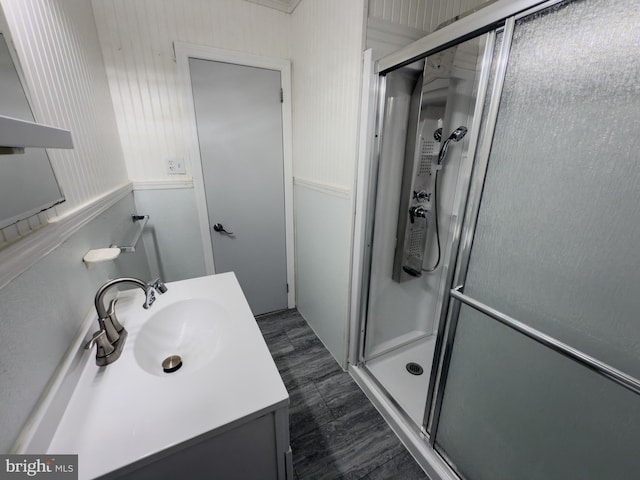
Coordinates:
26 251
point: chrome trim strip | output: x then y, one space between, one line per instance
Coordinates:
484 149
482 21
370 220
450 332
537 8
361 200
630 383
483 83
471 215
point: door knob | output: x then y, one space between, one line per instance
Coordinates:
219 228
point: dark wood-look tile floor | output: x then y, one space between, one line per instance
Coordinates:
336 433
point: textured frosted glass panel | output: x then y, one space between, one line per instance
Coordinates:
514 409
558 231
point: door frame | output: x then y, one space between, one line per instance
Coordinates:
184 51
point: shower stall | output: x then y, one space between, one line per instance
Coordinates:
499 324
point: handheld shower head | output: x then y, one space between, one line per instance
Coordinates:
457 135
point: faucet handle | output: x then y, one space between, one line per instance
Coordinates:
150 297
159 286
156 285
111 314
94 339
99 338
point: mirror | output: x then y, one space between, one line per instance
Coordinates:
28 184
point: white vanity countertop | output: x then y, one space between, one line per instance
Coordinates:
120 413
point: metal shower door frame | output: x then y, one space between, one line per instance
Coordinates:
456 297
487 20
460 256
500 16
449 319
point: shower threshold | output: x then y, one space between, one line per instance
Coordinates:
409 391
409 433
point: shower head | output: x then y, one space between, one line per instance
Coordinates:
457 135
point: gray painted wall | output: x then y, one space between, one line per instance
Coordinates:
43 308
172 236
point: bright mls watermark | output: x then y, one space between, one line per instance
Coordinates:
51 467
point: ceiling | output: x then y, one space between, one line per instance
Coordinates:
287 6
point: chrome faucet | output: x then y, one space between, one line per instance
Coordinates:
111 336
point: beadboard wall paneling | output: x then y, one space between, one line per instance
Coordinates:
137 44
60 55
423 15
327 42
384 38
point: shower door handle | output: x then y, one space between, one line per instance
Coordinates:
219 228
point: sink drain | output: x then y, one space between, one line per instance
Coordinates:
171 364
414 368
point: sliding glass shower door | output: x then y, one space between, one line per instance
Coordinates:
539 374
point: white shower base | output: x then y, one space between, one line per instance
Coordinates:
409 391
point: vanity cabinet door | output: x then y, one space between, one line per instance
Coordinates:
253 450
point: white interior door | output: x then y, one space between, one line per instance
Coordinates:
239 123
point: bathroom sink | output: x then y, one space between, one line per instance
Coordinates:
192 329
131 415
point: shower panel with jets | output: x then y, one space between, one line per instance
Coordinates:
424 154
499 324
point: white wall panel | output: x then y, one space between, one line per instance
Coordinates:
323 249
326 50
59 52
137 43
